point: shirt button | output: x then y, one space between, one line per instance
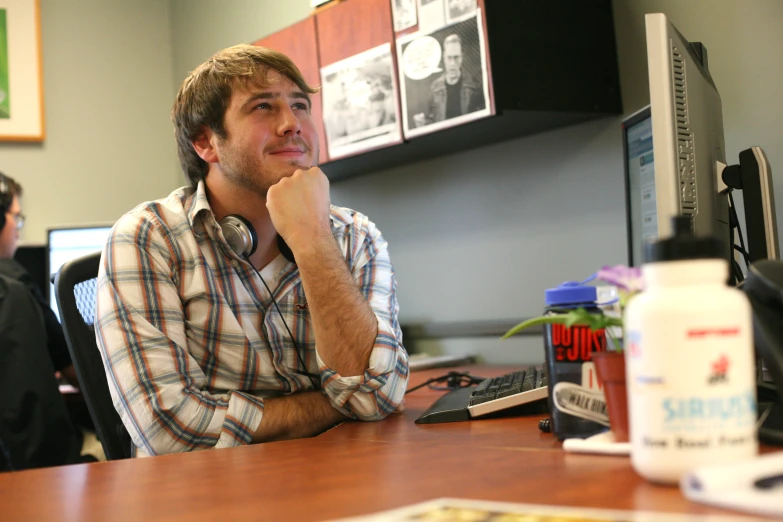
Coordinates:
234 263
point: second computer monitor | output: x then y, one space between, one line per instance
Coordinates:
640 197
686 125
70 243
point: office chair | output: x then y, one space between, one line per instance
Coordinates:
75 286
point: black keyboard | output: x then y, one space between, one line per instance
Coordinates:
523 392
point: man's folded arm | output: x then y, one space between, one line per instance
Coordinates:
156 384
377 392
296 416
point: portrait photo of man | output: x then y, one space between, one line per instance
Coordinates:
455 92
451 88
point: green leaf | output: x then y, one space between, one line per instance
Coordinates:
535 321
580 316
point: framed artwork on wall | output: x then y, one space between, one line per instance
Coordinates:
444 78
21 73
359 99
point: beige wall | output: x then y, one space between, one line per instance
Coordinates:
107 89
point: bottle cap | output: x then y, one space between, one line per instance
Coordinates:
683 244
570 292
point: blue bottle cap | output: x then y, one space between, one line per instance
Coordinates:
570 292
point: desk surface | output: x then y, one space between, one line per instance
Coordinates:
352 469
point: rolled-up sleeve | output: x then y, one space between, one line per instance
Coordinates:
380 389
156 385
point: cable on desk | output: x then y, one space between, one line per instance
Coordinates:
453 380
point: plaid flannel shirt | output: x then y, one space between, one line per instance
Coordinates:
191 341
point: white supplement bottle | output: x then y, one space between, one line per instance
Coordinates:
689 361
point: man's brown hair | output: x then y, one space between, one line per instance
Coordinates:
205 94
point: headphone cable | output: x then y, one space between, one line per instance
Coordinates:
296 347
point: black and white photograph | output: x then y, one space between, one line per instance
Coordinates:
432 15
443 77
404 14
458 10
359 97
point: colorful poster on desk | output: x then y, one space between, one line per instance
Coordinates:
443 77
462 510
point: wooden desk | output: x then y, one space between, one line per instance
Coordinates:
353 469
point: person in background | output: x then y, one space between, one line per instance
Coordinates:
209 343
35 427
453 93
12 222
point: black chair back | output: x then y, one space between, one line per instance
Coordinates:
75 287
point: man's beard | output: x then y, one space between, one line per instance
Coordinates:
246 170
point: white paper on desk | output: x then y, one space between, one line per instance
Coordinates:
458 509
732 485
602 444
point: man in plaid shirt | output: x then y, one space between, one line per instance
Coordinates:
197 354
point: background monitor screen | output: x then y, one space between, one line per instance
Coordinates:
640 184
70 243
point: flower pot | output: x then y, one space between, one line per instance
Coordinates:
610 367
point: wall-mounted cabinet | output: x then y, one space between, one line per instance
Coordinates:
358 77
506 69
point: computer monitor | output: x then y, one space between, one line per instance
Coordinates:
66 243
641 208
684 130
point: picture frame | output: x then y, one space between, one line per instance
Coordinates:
21 71
359 102
424 72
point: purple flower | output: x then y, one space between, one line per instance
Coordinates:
624 277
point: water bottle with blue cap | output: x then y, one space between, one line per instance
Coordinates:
574 392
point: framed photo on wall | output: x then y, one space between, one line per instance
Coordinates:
359 99
443 77
21 74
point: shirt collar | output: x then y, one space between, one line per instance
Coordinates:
198 203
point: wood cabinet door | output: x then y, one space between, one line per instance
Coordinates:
349 29
299 43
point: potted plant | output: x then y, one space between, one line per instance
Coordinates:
610 364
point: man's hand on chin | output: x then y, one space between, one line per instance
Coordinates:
299 208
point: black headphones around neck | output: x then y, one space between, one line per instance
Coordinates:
241 237
5 198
